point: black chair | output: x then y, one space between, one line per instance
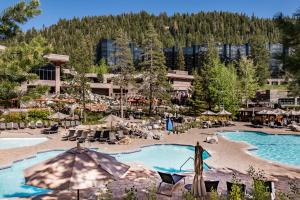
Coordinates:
240 185
211 186
95 137
83 137
170 179
112 138
104 137
76 135
52 129
70 134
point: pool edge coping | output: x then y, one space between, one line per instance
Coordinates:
249 147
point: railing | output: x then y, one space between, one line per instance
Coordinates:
185 162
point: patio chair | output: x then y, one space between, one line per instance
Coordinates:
72 123
77 123
211 186
63 124
76 135
67 124
170 179
104 136
70 134
112 138
95 137
241 186
46 124
31 125
52 129
15 126
120 135
2 126
22 125
39 124
9 126
83 137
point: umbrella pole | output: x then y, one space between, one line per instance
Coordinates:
77 194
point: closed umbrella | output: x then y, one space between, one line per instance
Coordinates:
78 168
198 188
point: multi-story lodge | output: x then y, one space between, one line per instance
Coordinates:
193 56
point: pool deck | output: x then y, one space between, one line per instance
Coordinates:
226 156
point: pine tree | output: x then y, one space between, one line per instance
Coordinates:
180 62
196 100
260 56
247 77
154 72
209 59
20 13
124 64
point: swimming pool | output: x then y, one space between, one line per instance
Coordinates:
280 148
167 158
9 143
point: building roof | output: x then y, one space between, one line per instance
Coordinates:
180 76
57 58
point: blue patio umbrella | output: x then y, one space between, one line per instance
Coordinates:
169 125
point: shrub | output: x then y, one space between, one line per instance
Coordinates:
36 114
14 117
188 195
259 189
236 192
152 193
131 194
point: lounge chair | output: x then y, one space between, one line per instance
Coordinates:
76 135
39 124
95 137
241 186
120 135
105 136
22 125
83 137
52 129
46 124
70 134
2 126
72 124
63 124
77 123
9 126
211 186
112 138
31 125
170 179
68 124
15 126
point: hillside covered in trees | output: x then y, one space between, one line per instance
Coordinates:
178 29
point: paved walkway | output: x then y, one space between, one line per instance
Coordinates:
226 157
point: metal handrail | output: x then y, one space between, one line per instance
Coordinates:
185 162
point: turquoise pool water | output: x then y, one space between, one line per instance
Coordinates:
166 158
280 148
8 143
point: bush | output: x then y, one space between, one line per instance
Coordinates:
36 114
131 194
15 117
188 195
236 192
259 189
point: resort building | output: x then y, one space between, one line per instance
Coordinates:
193 56
54 77
282 98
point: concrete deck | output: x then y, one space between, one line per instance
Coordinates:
226 157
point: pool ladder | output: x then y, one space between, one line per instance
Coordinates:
186 162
